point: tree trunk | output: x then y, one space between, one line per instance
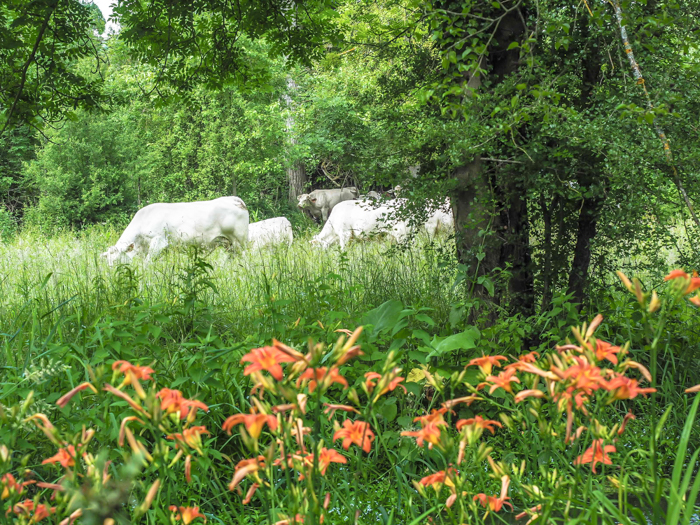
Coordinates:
476 229
547 269
296 171
587 224
516 250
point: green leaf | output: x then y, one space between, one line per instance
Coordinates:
513 45
464 341
384 316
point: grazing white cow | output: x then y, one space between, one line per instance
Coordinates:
270 231
360 219
441 220
320 203
201 223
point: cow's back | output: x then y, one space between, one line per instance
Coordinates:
189 220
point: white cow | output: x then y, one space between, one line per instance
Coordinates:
201 223
270 231
320 203
360 219
441 220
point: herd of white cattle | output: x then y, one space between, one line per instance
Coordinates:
345 213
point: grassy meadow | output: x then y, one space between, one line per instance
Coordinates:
68 319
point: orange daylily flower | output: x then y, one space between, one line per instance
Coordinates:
388 382
266 358
187 514
692 389
192 437
244 468
624 387
251 492
172 402
607 351
357 432
10 485
27 509
439 478
64 456
65 398
429 433
253 423
474 427
435 417
331 409
524 394
693 282
325 458
322 376
492 503
487 362
142 373
695 300
468 400
503 380
596 453
628 416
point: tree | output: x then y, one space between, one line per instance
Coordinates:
41 42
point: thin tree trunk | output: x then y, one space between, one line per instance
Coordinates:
547 266
587 224
296 171
516 251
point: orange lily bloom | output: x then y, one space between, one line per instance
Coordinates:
492 503
475 427
392 380
253 423
624 387
596 453
322 376
607 351
331 409
693 282
65 398
325 458
192 437
524 394
676 274
172 401
357 432
503 380
142 373
695 300
244 468
64 456
26 509
628 416
439 478
187 514
10 485
429 433
487 362
468 400
266 358
435 417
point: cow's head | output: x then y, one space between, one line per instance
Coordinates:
305 201
119 254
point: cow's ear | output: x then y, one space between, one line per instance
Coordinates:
130 248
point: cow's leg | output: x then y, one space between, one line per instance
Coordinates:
157 245
324 213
